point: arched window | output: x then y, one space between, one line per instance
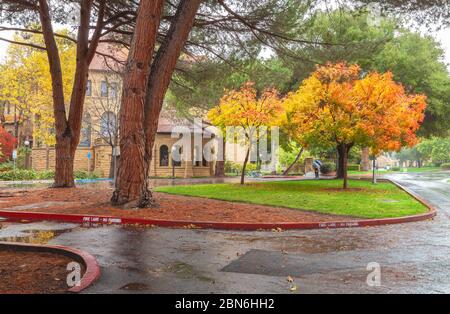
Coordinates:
85 140
176 156
108 124
164 156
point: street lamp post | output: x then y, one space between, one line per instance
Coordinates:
27 156
374 166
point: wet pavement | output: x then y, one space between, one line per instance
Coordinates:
413 257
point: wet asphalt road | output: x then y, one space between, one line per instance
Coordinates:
413 257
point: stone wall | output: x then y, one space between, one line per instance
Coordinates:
44 159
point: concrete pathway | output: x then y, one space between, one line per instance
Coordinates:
413 257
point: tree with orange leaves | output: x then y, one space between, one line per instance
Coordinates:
335 107
246 109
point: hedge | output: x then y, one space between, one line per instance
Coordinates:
27 175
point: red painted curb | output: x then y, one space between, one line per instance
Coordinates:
91 274
111 220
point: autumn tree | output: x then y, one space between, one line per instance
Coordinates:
334 107
7 144
249 111
26 83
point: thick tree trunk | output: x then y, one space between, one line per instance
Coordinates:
132 181
288 170
342 150
68 130
244 166
220 164
159 80
64 164
133 172
64 160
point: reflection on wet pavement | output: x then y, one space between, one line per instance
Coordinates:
36 233
414 257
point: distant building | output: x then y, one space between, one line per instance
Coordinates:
100 129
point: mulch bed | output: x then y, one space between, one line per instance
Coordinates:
32 272
172 207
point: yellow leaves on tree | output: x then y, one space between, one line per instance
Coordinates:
336 107
246 109
26 83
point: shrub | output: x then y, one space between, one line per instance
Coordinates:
445 166
234 167
7 166
327 167
353 167
25 175
18 175
83 175
396 169
45 175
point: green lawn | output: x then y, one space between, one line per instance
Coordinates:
364 200
412 169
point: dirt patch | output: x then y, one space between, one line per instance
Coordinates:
172 207
32 272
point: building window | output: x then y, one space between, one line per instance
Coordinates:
86 131
113 90
89 88
164 156
104 89
108 124
176 156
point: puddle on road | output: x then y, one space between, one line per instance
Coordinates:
135 286
186 271
34 233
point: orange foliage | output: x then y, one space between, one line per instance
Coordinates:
334 106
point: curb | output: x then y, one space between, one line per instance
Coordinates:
91 274
90 220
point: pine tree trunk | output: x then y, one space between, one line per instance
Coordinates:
133 170
288 170
137 138
160 76
64 177
68 129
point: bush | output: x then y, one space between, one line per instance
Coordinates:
396 168
26 175
353 167
83 175
445 166
233 167
327 167
7 166
45 175
18 175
